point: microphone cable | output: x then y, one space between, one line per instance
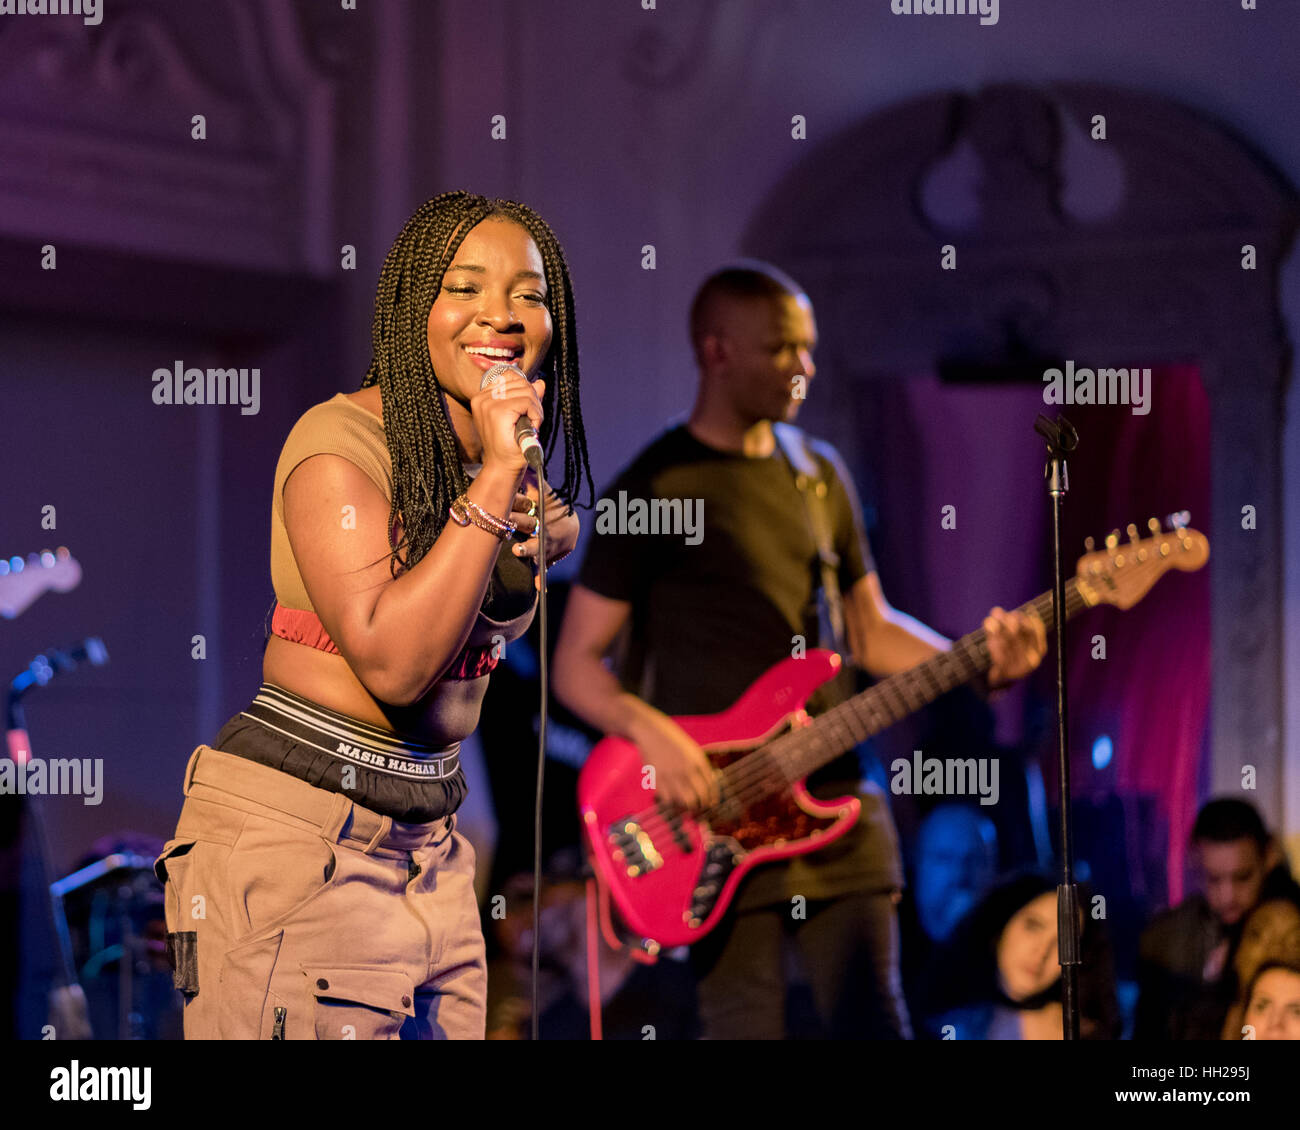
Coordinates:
543 651
533 453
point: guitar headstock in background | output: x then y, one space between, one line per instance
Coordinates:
22 582
1122 573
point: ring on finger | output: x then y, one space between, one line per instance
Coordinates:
526 534
532 508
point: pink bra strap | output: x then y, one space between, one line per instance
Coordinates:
302 625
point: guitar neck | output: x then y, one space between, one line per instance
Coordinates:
802 751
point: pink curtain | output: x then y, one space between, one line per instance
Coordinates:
1151 693
974 448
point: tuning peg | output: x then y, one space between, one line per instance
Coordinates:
1089 544
1153 524
1132 532
1179 520
1112 539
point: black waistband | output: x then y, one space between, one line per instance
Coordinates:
349 739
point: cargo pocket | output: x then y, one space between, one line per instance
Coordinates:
168 865
359 1002
274 871
182 945
248 1008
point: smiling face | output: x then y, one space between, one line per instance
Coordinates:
491 308
1027 949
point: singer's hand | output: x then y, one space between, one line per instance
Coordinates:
562 524
497 408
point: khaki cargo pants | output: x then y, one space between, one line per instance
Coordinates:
293 913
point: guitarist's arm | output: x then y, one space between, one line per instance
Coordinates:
886 641
584 684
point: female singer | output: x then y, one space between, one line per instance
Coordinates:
316 885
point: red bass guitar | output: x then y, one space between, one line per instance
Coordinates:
672 872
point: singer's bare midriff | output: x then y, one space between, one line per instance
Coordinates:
446 714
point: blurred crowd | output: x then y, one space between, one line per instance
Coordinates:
979 949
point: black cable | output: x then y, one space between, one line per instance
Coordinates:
541 742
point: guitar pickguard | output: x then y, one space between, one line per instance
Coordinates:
771 822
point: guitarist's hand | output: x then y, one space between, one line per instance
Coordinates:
1017 644
682 773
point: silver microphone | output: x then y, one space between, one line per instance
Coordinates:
525 434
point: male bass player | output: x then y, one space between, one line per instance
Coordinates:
704 620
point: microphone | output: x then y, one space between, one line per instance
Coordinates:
525 434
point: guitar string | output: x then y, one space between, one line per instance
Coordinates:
969 654
758 774
882 706
961 651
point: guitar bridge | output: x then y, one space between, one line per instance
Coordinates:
634 848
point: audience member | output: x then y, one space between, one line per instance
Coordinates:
1273 1002
1270 934
998 977
1183 992
954 863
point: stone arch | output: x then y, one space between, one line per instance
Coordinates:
1069 244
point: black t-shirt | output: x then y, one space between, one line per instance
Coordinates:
1175 1001
718 596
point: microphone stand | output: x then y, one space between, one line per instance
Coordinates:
67 1007
527 438
1061 440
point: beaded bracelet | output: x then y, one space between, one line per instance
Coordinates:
465 510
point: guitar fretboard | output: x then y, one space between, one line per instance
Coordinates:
800 752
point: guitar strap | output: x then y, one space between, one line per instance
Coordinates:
814 490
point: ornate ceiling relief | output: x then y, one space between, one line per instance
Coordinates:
207 138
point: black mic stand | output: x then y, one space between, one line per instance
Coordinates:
1061 440
68 1009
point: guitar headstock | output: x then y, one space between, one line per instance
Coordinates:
1122 573
23 581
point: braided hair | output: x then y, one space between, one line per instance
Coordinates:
427 472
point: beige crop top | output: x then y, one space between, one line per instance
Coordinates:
336 427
